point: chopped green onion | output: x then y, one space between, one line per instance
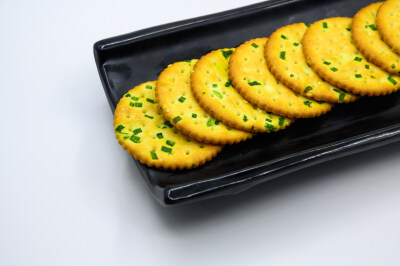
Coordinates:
281 121
358 76
307 103
166 149
245 118
160 135
135 98
227 53
372 26
127 95
348 29
215 85
153 155
119 128
367 66
176 119
149 87
324 25
188 61
291 75
341 96
182 99
327 63
254 45
170 143
392 80
357 59
150 100
210 122
228 83
217 122
268 120
134 139
254 83
269 126
218 94
138 104
334 69
283 55
137 131
194 115
283 37
307 24
148 116
307 89
296 44
168 124
393 66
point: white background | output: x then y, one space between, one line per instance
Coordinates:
70 195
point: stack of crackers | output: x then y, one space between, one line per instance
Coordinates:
195 107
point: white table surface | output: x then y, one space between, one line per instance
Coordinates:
70 195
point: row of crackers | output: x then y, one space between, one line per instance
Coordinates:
183 119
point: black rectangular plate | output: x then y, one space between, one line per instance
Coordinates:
128 60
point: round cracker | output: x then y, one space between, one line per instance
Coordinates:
143 131
332 54
251 77
295 72
369 42
175 97
216 95
388 23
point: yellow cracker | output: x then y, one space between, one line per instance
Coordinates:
388 23
142 130
251 77
332 54
175 97
369 42
294 71
215 94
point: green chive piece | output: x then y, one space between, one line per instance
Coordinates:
254 45
358 76
194 115
245 118
372 26
367 66
127 95
281 121
217 122
218 94
334 69
134 139
210 122
296 44
153 155
393 66
268 120
307 24
283 55
188 61
182 99
254 83
357 59
166 149
149 87
170 143
291 75
341 96
168 124
283 37
119 128
137 131
135 98
177 119
392 80
324 25
327 63
227 53
138 104
372 77
348 29
228 83
269 126
307 103
215 85
150 100
148 116
126 137
160 135
308 88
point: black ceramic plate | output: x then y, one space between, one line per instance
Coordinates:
128 60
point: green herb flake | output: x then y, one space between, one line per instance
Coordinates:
393 66
182 99
153 155
254 83
358 76
217 122
282 55
227 53
149 87
348 29
148 116
134 139
307 103
160 135
307 89
119 128
166 149
245 118
127 95
324 25
210 122
137 131
357 59
327 63
281 121
392 80
168 124
372 26
228 83
341 96
194 115
177 119
215 85
138 104
268 120
188 61
134 98
296 44
218 94
283 37
254 45
307 25
367 66
269 126
170 143
334 69
125 137
291 75
150 100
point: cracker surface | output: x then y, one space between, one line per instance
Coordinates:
369 42
175 97
214 92
294 72
330 51
388 23
143 131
